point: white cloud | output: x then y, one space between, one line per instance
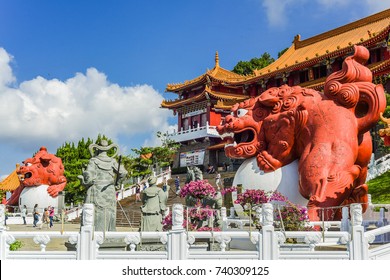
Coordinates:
279 13
50 112
276 11
375 6
334 3
6 76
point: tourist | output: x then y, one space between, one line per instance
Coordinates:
164 184
218 180
51 215
45 218
210 169
137 193
24 214
35 215
177 185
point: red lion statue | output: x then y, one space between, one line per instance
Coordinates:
42 169
327 132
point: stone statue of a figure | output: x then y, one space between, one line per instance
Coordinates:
153 207
101 178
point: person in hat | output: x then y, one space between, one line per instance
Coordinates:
153 207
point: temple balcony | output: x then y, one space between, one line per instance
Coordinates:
194 133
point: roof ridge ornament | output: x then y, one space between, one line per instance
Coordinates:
216 59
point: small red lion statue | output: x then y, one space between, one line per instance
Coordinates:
328 133
42 169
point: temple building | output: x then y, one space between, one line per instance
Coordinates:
203 102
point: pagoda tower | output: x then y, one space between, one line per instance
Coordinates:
201 105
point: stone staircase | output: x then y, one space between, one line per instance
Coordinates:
129 213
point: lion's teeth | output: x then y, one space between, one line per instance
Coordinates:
226 135
234 144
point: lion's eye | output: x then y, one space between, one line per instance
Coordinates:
241 112
28 164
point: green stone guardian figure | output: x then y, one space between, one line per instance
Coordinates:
154 201
101 178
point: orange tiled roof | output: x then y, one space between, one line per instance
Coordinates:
201 96
218 74
375 68
336 42
10 183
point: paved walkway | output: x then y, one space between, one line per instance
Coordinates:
56 244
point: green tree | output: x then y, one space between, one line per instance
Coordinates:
75 159
282 52
147 157
247 67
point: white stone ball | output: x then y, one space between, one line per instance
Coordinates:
37 195
285 180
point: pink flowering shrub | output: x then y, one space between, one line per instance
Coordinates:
196 217
294 217
228 190
198 189
250 198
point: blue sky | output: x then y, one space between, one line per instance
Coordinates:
72 69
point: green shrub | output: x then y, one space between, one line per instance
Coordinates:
16 245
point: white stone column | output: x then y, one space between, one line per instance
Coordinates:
87 247
269 241
224 218
359 244
177 237
345 219
3 234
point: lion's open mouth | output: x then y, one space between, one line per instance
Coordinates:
240 137
27 175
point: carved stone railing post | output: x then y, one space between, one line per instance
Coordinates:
133 240
359 244
232 212
269 241
224 218
345 219
177 238
3 234
42 240
258 215
87 249
2 217
223 240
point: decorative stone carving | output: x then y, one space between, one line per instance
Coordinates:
101 178
73 239
2 216
133 240
281 238
88 214
177 216
288 124
223 213
313 239
344 239
356 214
154 201
223 240
267 214
190 239
42 240
10 239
